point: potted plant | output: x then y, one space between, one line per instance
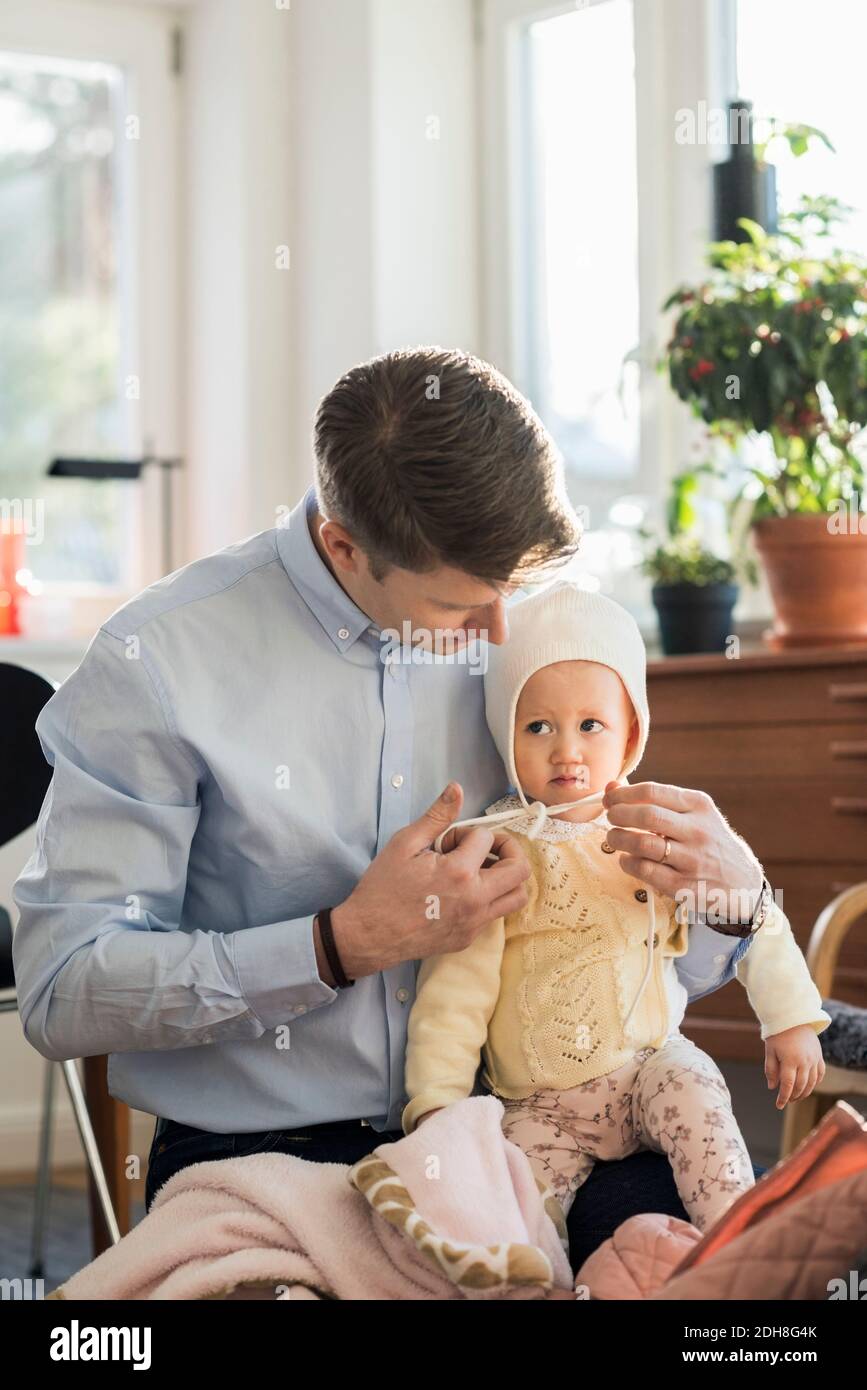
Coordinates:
772 345
694 590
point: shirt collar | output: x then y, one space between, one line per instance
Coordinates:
342 619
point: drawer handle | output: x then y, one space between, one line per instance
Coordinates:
849 691
849 805
848 748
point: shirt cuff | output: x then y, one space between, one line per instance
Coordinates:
709 954
277 971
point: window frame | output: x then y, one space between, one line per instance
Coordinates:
673 221
138 40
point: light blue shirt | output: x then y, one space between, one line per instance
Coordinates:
229 756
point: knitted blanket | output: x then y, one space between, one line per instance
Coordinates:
452 1211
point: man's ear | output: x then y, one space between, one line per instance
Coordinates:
342 549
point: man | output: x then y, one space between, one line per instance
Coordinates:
245 746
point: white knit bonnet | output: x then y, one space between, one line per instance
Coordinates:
563 623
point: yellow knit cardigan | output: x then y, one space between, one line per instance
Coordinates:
542 994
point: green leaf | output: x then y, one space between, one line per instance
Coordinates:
756 233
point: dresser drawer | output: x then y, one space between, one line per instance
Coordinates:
740 693
807 889
789 819
680 755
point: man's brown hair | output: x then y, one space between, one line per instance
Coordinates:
431 457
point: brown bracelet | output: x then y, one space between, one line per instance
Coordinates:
327 937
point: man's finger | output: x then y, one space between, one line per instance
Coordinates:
473 849
506 847
504 876
421 833
654 793
652 820
657 875
510 902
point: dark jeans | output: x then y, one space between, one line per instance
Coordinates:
176 1146
612 1193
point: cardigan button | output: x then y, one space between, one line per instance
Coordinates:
655 939
606 848
641 894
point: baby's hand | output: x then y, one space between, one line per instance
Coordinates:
793 1059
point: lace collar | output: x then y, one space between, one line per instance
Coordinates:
553 829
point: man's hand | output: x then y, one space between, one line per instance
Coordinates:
794 1062
704 848
412 903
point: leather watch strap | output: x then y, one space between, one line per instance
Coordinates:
743 929
326 934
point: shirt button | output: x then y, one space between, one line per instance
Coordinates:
343 633
300 1009
720 960
641 895
397 780
402 995
606 848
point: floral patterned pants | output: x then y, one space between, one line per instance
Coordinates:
672 1099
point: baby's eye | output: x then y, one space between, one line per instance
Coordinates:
534 726
584 722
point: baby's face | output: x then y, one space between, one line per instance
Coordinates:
574 725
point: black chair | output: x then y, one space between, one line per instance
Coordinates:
24 779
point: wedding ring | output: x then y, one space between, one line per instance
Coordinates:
667 848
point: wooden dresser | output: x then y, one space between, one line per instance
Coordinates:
779 740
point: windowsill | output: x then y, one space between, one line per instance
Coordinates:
749 630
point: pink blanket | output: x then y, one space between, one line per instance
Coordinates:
452 1211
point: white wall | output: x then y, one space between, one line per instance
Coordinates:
307 128
426 175
238 303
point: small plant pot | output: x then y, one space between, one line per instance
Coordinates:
817 575
694 617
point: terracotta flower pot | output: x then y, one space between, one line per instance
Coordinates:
817 574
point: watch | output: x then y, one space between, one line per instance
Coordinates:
760 911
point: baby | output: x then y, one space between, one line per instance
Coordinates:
573 1006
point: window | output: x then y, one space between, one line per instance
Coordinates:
89 333
587 208
65 296
581 265
801 64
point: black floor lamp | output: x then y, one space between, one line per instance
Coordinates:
126 470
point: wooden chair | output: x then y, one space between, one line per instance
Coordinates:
823 952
